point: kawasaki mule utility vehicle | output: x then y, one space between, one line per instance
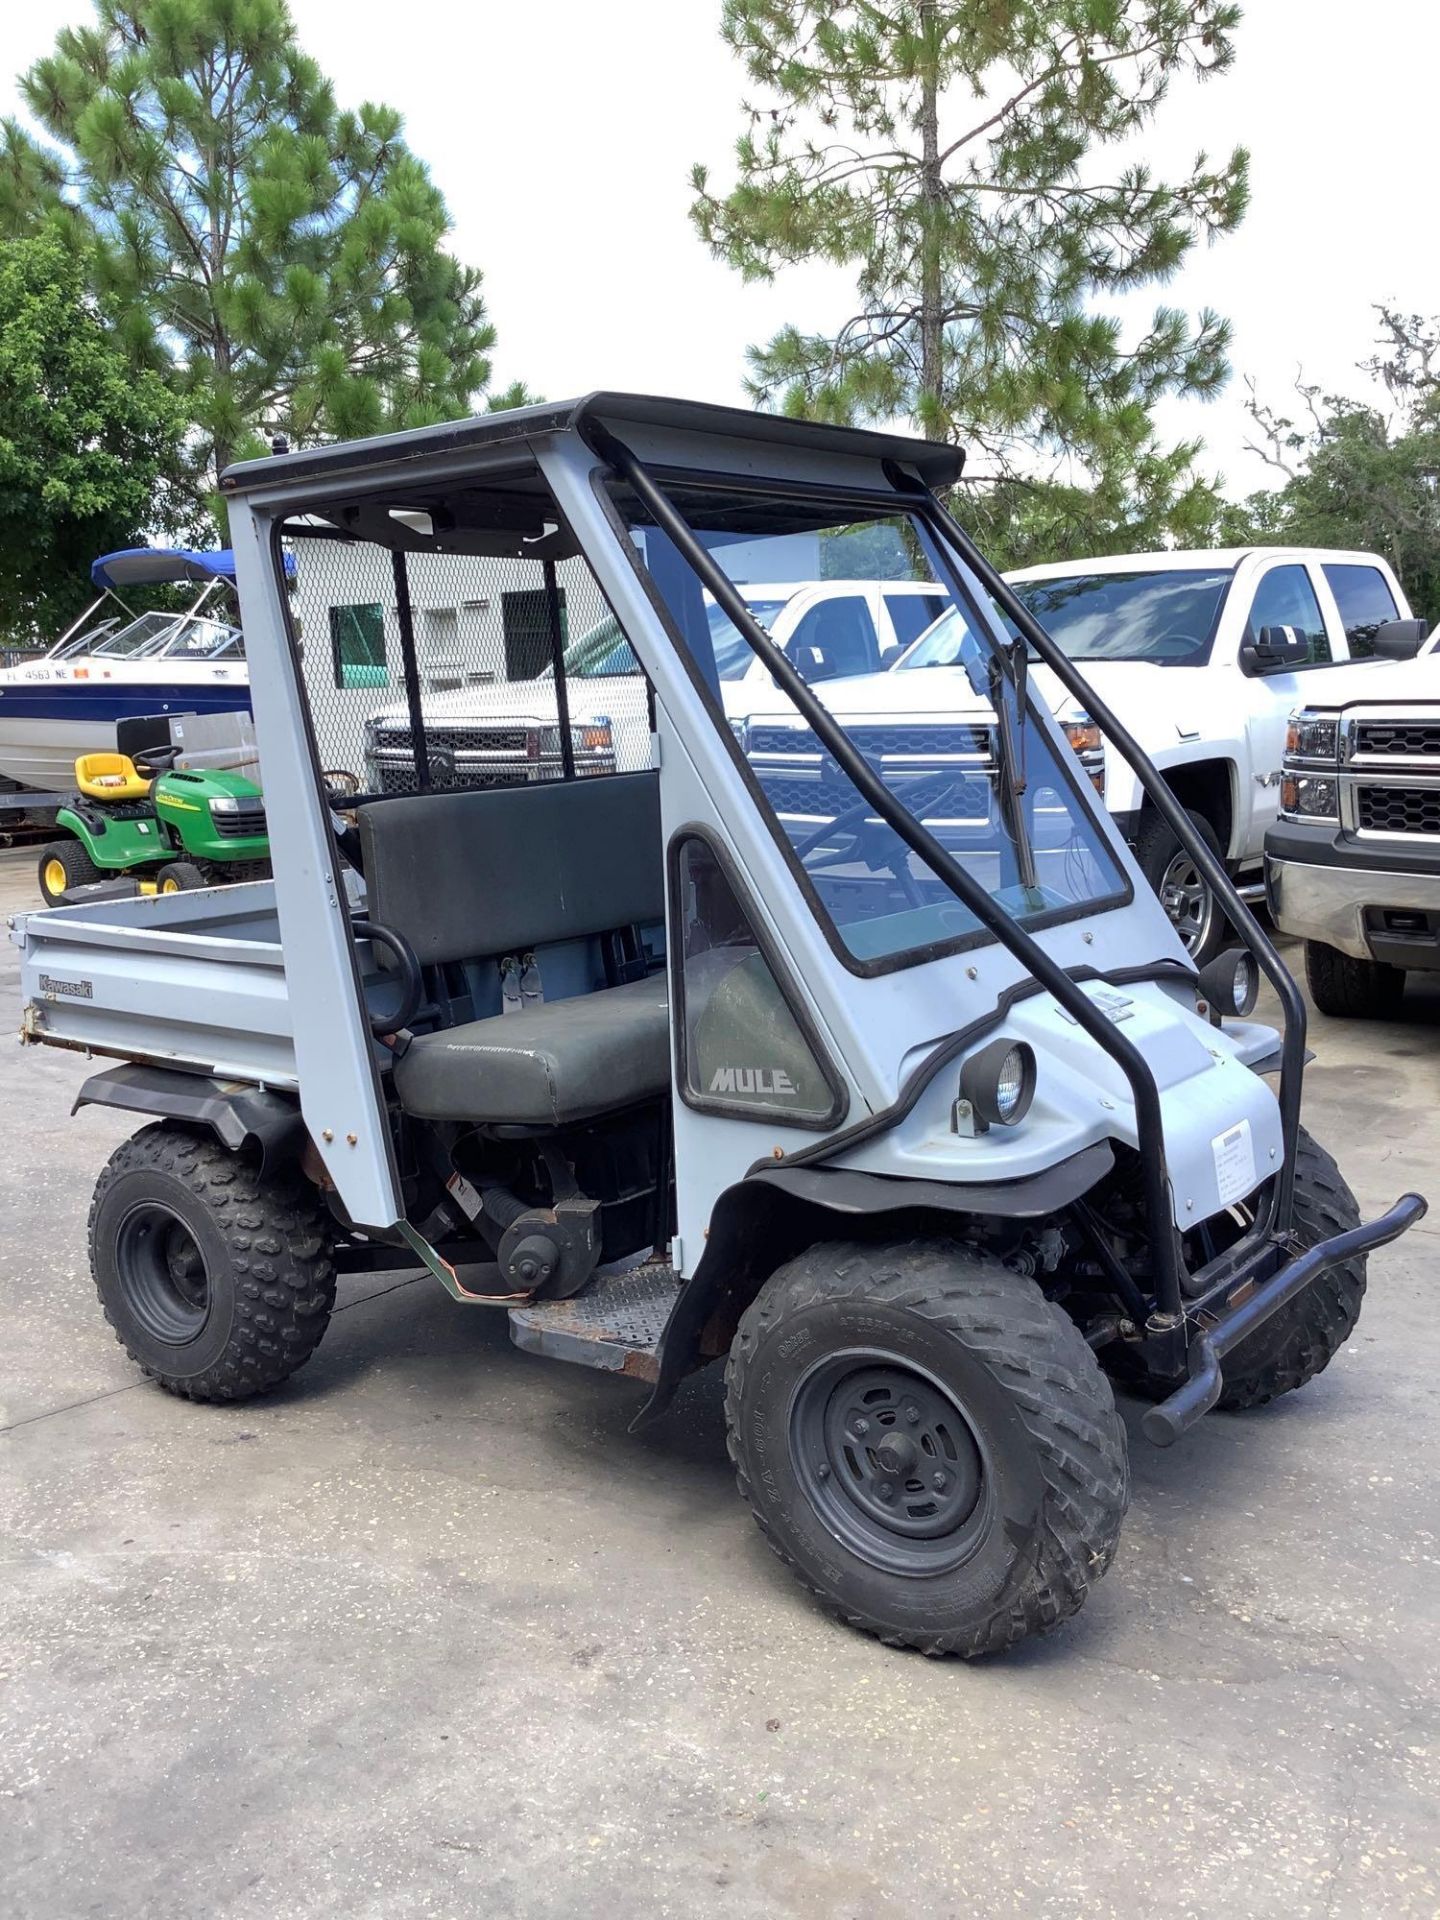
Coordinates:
928 1139
138 814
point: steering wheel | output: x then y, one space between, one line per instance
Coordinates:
412 985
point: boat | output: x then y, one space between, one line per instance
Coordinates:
113 664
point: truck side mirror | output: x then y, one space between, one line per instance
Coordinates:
1274 650
1399 639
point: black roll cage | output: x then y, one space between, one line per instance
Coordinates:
1273 1217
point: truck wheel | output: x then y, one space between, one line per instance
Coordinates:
1349 989
927 1443
179 876
1186 896
64 864
1299 1341
218 1283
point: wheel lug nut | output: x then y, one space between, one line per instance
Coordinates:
937 1480
887 1492
912 1414
862 1427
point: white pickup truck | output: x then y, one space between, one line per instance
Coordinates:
1353 866
508 733
1191 652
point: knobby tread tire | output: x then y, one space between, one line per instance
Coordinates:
1044 1365
1303 1338
1350 989
277 1237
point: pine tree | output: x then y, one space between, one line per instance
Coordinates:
952 152
281 259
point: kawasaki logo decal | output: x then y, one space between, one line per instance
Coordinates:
752 1080
66 989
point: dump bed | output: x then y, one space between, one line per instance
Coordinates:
182 979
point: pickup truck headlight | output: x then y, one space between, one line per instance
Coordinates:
1087 740
1308 796
1313 736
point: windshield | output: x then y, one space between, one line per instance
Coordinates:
1165 615
169 636
605 651
1004 799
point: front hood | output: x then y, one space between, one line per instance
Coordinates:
512 700
907 694
1371 681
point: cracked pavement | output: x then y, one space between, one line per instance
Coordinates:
428 1631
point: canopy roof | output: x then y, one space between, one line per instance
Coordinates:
149 566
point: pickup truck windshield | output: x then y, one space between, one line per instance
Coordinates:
604 650
1166 616
1006 801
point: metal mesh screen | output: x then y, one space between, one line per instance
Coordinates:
467 645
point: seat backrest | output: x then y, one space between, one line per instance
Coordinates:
468 875
110 776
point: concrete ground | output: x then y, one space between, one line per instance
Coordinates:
427 1631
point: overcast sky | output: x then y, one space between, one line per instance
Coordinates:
562 135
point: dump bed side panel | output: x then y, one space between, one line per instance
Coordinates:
186 979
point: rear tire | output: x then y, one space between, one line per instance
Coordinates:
65 864
1006 1461
217 1282
1189 903
179 876
1349 989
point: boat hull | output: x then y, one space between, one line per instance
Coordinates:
46 722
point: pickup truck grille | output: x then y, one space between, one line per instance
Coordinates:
1420 739
968 799
1398 809
930 739
458 739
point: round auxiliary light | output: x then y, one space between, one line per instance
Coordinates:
1230 983
999 1083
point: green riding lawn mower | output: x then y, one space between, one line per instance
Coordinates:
146 824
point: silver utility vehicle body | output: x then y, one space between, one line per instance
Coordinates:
932 1133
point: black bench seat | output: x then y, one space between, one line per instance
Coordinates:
548 1066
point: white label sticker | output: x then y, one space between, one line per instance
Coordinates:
1234 1153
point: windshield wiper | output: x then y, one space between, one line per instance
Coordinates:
1010 663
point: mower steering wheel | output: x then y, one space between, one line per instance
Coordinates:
412 985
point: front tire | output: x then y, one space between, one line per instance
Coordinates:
179 876
217 1282
1301 1340
1349 989
65 864
927 1443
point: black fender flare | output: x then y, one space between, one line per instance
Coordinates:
238 1115
769 1216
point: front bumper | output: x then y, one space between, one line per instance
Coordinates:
1330 903
1217 1322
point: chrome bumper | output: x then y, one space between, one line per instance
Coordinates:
1328 903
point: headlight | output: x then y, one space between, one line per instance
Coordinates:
224 803
1230 984
1083 735
1307 796
596 736
1313 736
996 1087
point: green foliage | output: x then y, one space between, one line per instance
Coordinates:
281 259
86 442
1358 475
951 153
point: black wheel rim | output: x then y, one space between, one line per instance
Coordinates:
891 1462
162 1274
